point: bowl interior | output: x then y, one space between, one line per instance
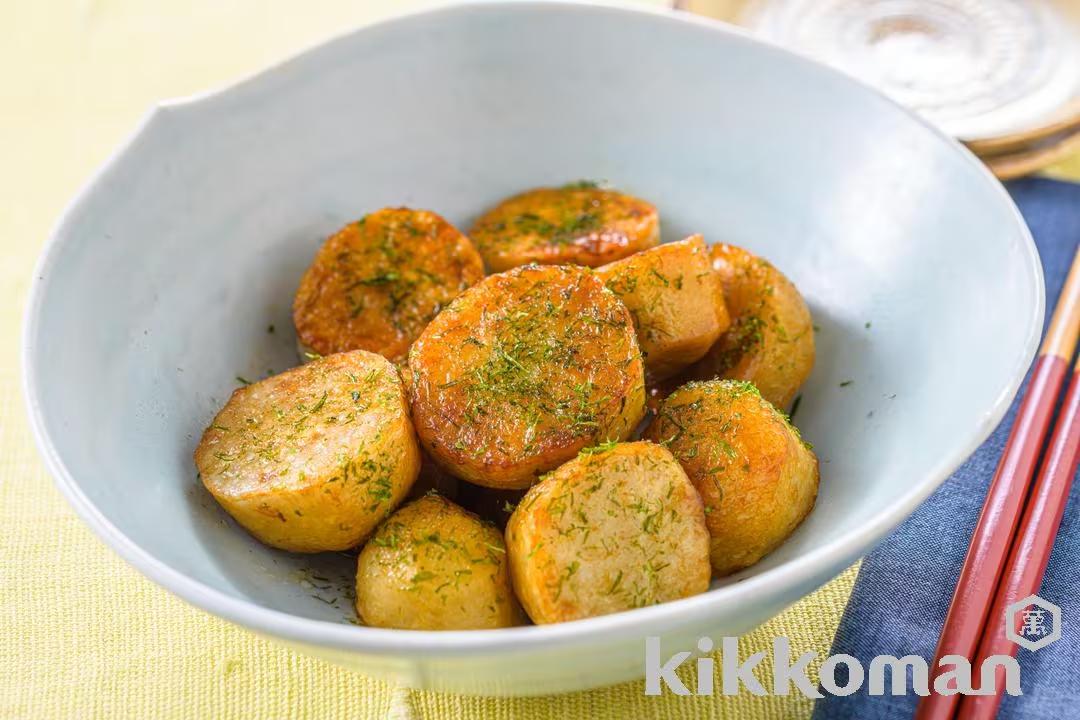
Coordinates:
174 273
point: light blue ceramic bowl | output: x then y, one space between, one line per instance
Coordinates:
160 282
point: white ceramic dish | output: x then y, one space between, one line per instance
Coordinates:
159 284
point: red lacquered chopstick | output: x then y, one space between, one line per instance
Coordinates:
1000 515
1032 547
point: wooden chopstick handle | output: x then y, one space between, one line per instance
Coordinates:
1034 542
1064 328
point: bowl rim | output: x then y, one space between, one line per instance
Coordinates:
828 558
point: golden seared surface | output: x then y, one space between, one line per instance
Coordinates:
523 370
677 302
758 479
312 459
616 528
577 224
377 282
434 566
771 339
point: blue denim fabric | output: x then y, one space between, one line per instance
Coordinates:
904 586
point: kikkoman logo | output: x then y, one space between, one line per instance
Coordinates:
1033 623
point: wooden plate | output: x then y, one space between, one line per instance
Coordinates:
1034 157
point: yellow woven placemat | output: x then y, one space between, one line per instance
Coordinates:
84 635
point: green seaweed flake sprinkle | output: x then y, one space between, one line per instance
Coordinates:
584 185
599 448
383 278
613 588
